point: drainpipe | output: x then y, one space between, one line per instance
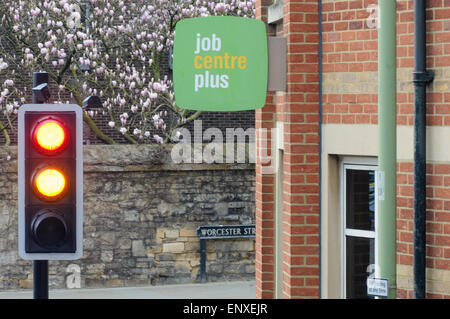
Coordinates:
387 149
421 79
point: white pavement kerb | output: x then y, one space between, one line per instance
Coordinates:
214 290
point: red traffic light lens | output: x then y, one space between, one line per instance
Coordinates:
50 135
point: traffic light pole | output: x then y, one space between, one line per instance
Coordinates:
40 267
40 279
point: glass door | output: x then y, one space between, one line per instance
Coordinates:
358 220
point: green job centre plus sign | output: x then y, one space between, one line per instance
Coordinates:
220 64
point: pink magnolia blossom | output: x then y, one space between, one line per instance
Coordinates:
117 53
158 139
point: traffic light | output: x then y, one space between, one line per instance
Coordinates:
50 182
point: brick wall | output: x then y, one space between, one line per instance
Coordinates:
350 61
437 224
264 191
264 194
298 110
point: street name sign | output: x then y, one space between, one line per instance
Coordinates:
226 231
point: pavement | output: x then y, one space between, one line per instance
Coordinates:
214 290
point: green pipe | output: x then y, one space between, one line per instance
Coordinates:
387 147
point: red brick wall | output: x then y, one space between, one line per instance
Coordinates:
350 45
301 152
298 109
264 246
437 219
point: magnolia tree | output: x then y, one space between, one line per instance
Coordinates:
113 49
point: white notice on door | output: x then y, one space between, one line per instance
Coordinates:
380 183
377 287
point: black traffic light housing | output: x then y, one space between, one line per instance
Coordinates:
41 93
50 180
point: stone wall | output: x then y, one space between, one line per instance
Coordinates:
140 217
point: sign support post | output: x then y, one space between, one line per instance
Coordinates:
203 260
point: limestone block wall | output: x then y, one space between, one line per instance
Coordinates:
141 213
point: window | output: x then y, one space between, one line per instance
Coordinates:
358 220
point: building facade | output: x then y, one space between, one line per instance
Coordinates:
315 199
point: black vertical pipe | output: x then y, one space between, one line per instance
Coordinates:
421 79
40 267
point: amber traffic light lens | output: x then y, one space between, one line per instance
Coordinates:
50 183
50 136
